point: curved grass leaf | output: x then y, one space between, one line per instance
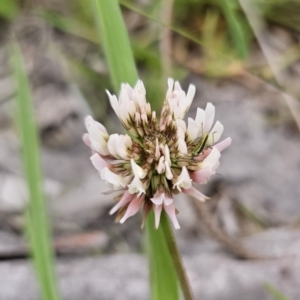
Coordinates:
115 41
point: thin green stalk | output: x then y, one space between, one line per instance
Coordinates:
36 213
176 257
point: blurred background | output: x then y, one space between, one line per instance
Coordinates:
244 57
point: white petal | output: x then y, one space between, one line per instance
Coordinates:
121 147
117 181
167 155
209 116
216 132
195 194
212 160
183 180
98 135
140 88
190 95
192 129
137 170
169 174
171 211
182 147
170 87
161 165
157 212
182 101
136 186
177 87
113 102
181 126
200 120
112 145
178 113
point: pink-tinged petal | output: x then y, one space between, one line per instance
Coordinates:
89 121
203 155
224 144
171 211
195 194
158 198
168 201
133 208
212 160
202 176
157 212
108 192
209 117
87 140
126 198
98 162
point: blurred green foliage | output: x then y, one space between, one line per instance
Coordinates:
36 212
8 9
277 295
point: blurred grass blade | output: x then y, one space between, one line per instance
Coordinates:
122 68
235 28
8 9
36 215
162 274
114 38
277 295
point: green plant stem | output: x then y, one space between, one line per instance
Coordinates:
163 277
176 257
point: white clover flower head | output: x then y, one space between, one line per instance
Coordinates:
157 158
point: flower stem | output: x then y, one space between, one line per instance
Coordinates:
176 257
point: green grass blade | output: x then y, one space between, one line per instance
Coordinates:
115 41
235 28
36 215
122 68
277 295
162 274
